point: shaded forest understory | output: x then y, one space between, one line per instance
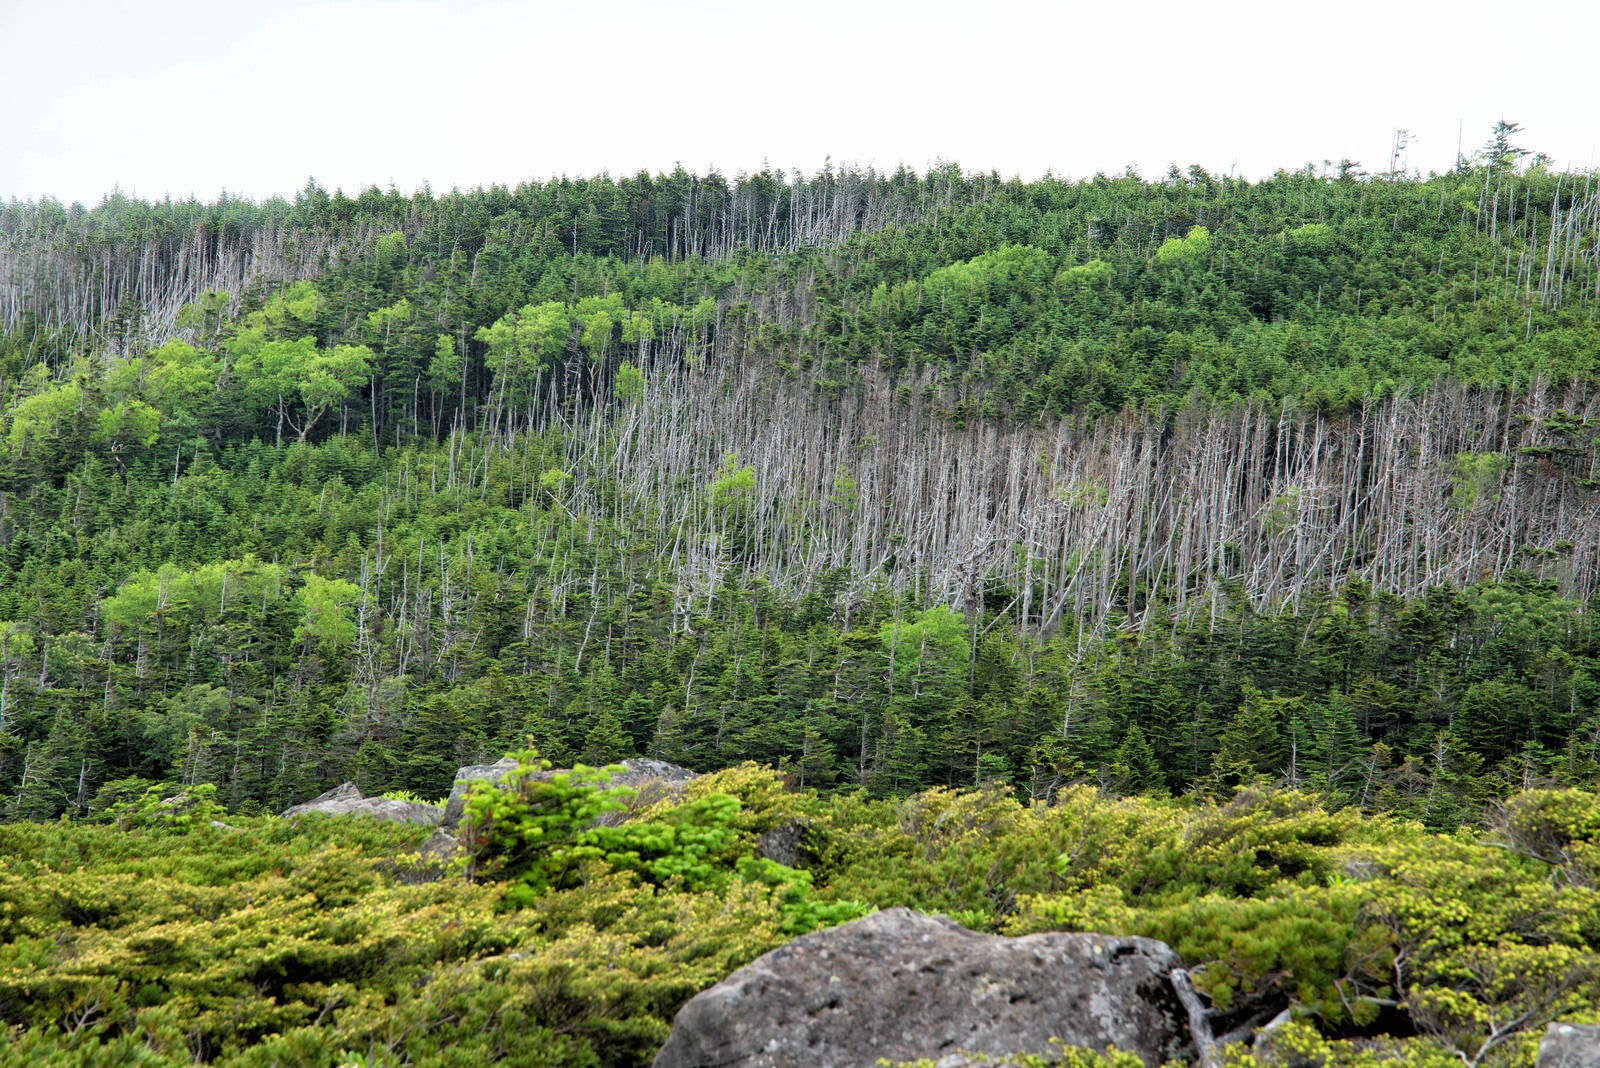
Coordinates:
886 480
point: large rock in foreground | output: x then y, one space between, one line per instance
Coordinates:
901 985
346 800
1570 1046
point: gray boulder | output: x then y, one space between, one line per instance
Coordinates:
786 844
432 861
455 805
346 800
1570 1046
651 778
901 985
643 771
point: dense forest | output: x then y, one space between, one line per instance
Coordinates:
888 480
1211 559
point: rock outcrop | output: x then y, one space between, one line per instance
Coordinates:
639 772
649 777
455 805
902 985
346 800
1570 1046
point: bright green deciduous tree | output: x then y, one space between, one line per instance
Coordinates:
42 428
301 382
521 345
1188 251
182 382
329 608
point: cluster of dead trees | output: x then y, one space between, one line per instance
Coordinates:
1106 524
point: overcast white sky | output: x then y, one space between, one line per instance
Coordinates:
191 97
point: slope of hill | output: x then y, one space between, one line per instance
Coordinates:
891 479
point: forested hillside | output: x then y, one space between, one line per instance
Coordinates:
886 480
